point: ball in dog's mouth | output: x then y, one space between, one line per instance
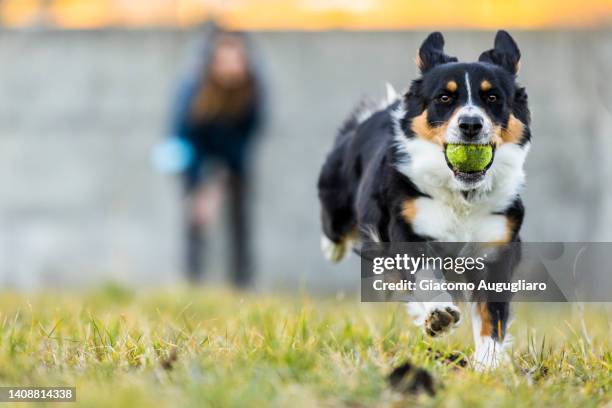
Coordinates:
469 161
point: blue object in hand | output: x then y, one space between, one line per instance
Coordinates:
173 155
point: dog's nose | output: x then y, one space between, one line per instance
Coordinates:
470 125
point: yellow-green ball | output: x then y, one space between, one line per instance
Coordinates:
469 157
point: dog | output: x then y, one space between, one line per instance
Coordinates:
387 178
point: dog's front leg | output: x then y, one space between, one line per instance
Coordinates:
436 318
490 321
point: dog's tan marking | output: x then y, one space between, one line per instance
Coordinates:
351 235
335 251
512 133
451 86
409 210
421 128
486 328
510 224
485 85
509 233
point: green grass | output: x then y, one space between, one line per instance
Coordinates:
211 347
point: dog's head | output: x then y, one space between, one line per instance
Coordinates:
476 103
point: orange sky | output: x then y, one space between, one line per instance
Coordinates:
314 14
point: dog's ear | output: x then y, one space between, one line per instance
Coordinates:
431 53
505 53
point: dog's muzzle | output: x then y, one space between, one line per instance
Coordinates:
470 126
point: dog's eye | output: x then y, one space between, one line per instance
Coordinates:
492 98
444 98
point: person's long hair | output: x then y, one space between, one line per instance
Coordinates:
213 101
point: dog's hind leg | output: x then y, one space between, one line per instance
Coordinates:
337 215
335 251
490 321
338 227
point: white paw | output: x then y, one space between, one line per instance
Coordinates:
489 354
334 252
441 320
436 318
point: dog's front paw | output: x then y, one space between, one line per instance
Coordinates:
490 354
441 320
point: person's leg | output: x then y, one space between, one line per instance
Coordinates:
192 229
239 234
201 206
193 242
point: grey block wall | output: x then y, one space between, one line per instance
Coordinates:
80 112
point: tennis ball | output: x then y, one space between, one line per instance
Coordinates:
469 157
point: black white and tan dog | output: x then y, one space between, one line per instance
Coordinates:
387 178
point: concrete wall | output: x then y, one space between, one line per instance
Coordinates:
80 112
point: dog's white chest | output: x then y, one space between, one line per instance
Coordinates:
444 222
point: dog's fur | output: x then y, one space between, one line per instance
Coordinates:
387 178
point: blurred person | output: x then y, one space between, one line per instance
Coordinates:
216 116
